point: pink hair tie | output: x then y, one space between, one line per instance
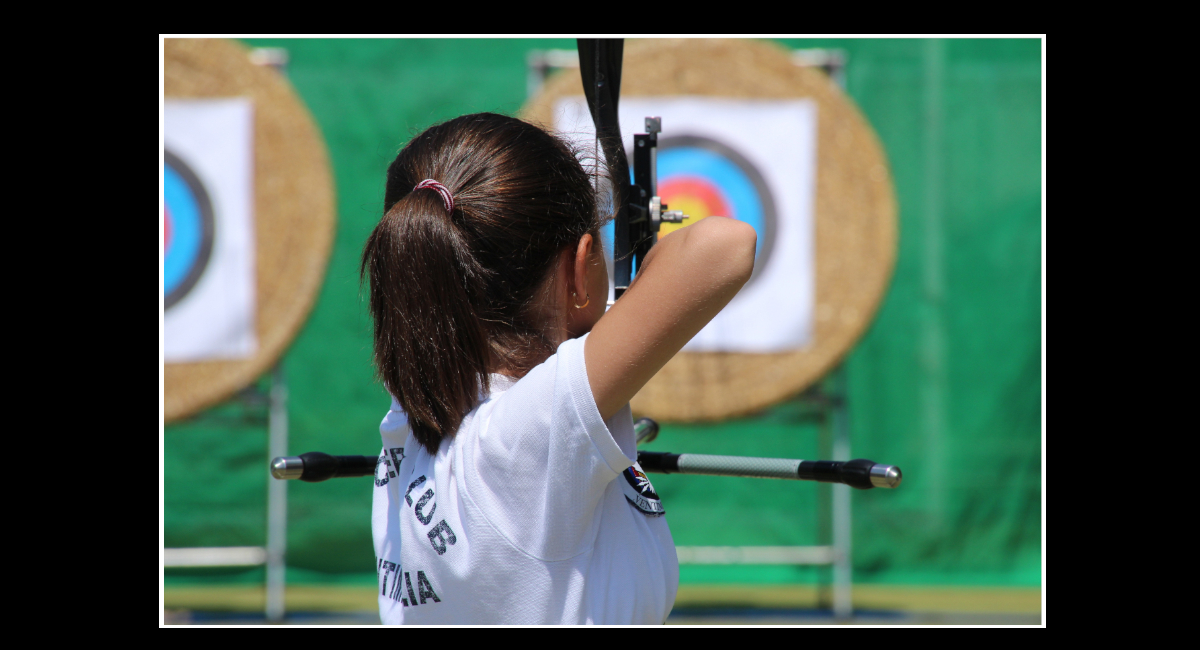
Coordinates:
447 199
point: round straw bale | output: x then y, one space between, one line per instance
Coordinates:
294 216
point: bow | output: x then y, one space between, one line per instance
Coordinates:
638 209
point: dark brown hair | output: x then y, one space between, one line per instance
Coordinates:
452 295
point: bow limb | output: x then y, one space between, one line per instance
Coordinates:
600 67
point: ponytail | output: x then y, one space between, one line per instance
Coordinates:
430 348
453 282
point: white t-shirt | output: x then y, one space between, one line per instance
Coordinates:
533 513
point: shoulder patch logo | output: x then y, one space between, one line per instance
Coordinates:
640 493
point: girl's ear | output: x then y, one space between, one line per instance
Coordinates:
583 253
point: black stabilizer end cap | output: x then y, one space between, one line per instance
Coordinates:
318 466
658 461
857 473
358 465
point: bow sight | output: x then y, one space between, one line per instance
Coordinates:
646 205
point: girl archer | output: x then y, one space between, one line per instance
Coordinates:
517 498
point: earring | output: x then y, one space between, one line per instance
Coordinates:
587 301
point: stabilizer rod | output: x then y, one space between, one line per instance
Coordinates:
860 473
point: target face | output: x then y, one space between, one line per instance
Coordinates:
706 178
187 229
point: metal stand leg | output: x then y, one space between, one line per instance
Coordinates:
277 498
277 59
843 606
825 506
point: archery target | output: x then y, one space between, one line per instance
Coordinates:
260 158
187 229
834 201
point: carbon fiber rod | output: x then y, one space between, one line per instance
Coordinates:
860 473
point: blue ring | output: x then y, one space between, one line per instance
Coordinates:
191 229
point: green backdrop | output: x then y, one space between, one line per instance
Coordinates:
946 383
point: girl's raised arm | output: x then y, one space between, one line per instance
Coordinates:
686 279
